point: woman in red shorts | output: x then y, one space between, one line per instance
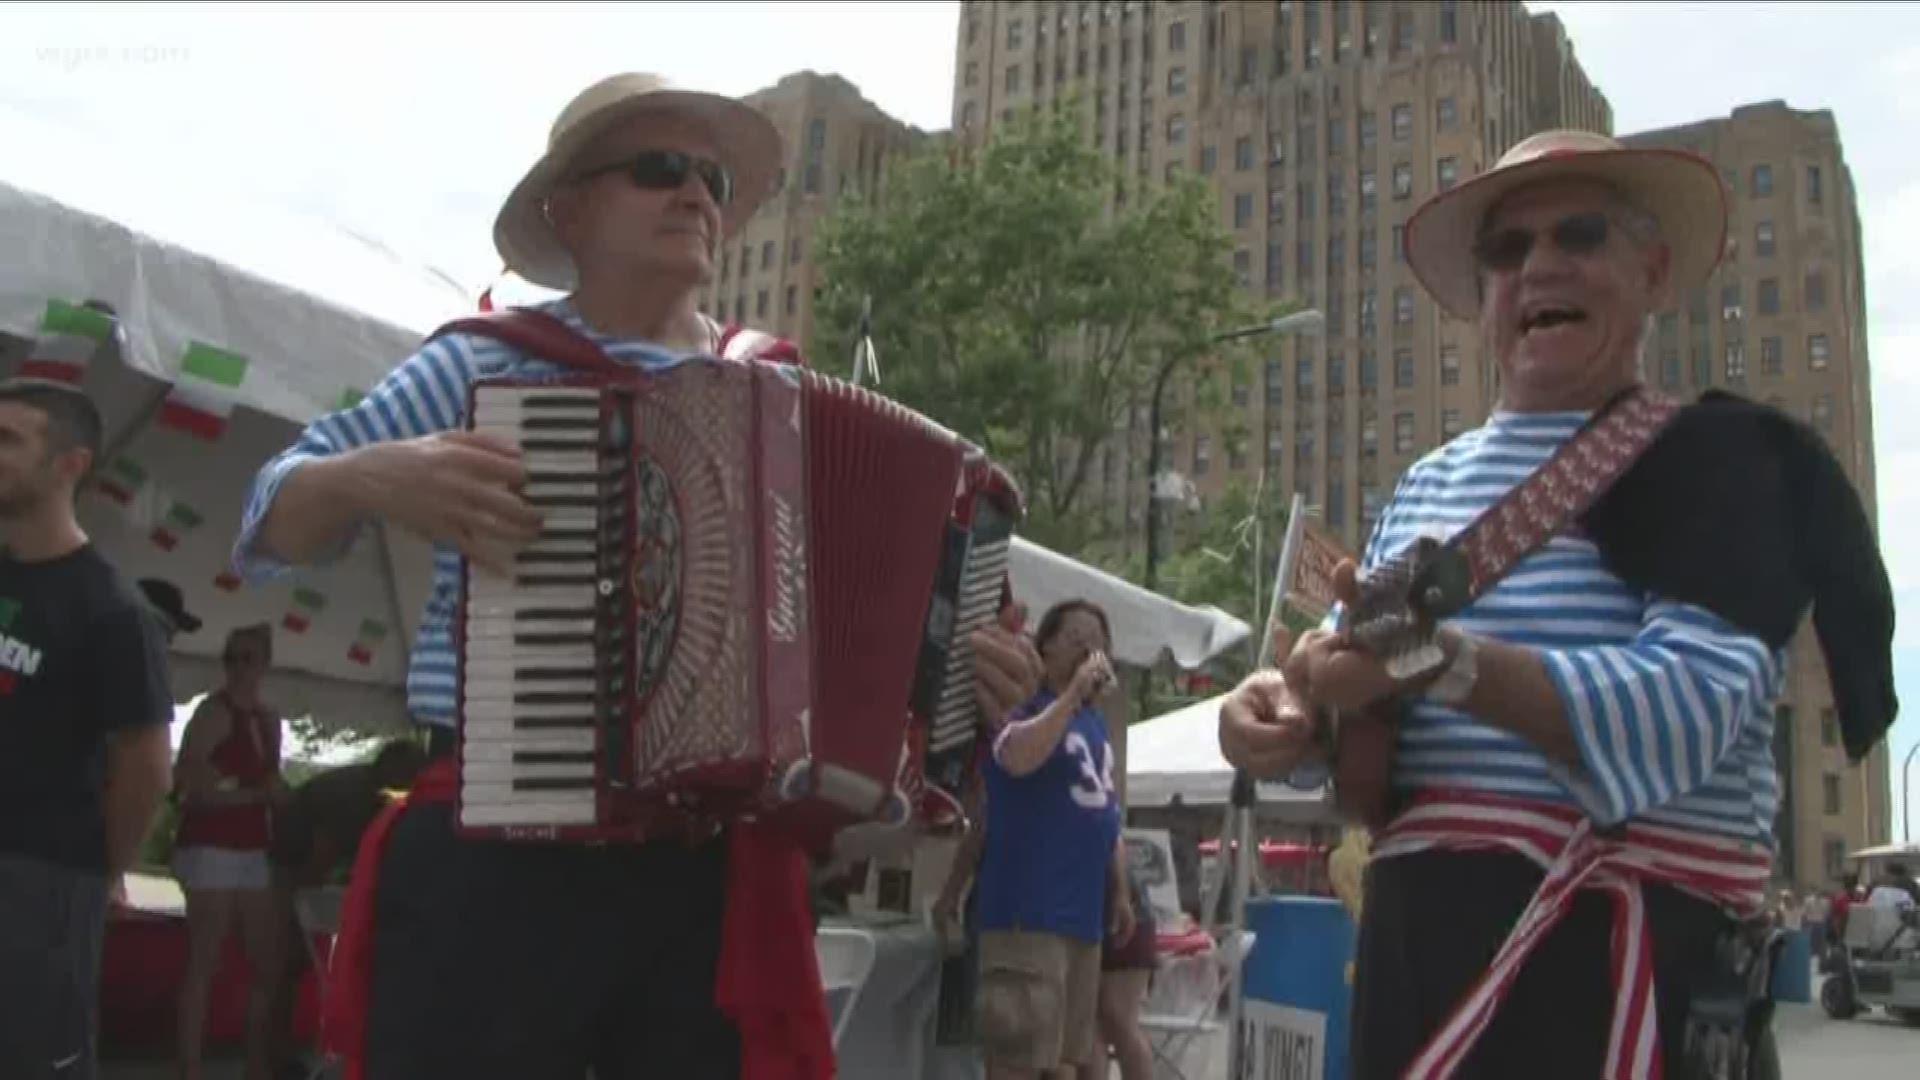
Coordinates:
1126 972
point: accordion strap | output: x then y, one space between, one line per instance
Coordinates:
537 333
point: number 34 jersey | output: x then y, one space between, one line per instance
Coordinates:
1051 834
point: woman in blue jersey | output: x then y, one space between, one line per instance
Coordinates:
1051 882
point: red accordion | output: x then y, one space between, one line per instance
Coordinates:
752 598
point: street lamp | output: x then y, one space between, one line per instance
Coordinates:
1906 804
1300 322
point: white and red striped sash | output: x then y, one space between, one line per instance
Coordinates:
1729 872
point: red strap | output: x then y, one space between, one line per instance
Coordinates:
537 333
768 979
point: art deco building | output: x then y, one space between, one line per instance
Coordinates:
1784 320
837 142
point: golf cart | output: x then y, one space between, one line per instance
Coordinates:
1878 965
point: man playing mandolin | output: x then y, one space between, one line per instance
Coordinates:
1557 718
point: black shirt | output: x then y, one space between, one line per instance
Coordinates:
81 658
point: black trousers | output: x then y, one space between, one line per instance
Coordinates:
1433 922
538 962
52 921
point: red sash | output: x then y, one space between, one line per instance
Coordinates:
768 980
1562 841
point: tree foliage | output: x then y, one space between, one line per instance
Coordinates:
1008 304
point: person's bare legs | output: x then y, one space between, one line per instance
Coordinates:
1122 993
211 915
263 929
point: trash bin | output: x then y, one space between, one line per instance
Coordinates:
1793 971
1298 987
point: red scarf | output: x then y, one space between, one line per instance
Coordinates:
1562 842
768 981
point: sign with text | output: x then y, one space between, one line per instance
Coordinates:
1283 1043
1150 858
1311 590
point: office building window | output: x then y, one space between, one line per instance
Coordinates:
1403 433
1449 423
1402 123
1830 794
1369 372
1176 37
1829 728
1444 115
1813 184
1823 414
1402 180
1763 239
1817 352
1403 369
1769 296
1403 305
1447 172
1176 81
1242 209
1243 153
1365 126
1816 291
1736 356
1016 33
1449 365
1771 356
1670 368
1762 181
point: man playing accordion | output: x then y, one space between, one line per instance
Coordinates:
469 958
1573 795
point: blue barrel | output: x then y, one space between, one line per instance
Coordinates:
1793 971
1298 986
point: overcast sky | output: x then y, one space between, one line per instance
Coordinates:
406 123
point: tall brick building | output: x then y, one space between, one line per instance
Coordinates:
1784 320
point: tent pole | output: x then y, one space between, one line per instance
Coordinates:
1241 804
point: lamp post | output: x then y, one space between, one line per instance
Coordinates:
1299 322
1306 321
1906 804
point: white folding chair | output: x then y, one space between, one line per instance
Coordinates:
317 912
846 962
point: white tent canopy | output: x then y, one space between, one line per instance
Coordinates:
1178 754
1146 625
306 315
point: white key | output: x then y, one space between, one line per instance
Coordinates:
490 596
499 742
493 650
504 710
484 814
506 772
509 627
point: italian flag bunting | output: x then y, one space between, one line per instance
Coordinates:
69 336
372 633
203 397
306 604
122 481
180 520
227 581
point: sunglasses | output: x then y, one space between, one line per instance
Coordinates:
1578 235
667 170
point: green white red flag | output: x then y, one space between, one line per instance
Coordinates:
69 337
203 397
307 604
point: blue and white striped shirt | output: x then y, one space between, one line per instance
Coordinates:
1672 707
424 395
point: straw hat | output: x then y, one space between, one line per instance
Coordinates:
1681 189
745 141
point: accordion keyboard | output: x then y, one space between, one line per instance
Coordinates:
543 649
953 717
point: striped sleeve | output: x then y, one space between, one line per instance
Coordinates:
1655 717
427 393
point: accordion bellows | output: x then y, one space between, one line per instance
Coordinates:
751 598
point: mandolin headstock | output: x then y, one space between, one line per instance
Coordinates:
1399 609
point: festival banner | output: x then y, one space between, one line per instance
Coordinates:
307 603
180 519
122 481
372 633
1311 590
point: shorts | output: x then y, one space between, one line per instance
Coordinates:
1140 952
509 961
1039 998
52 921
221 868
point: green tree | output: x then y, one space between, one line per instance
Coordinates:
1010 305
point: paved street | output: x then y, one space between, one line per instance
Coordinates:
1869 1047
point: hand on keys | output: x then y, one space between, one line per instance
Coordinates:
461 489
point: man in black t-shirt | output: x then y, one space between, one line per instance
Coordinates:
85 757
